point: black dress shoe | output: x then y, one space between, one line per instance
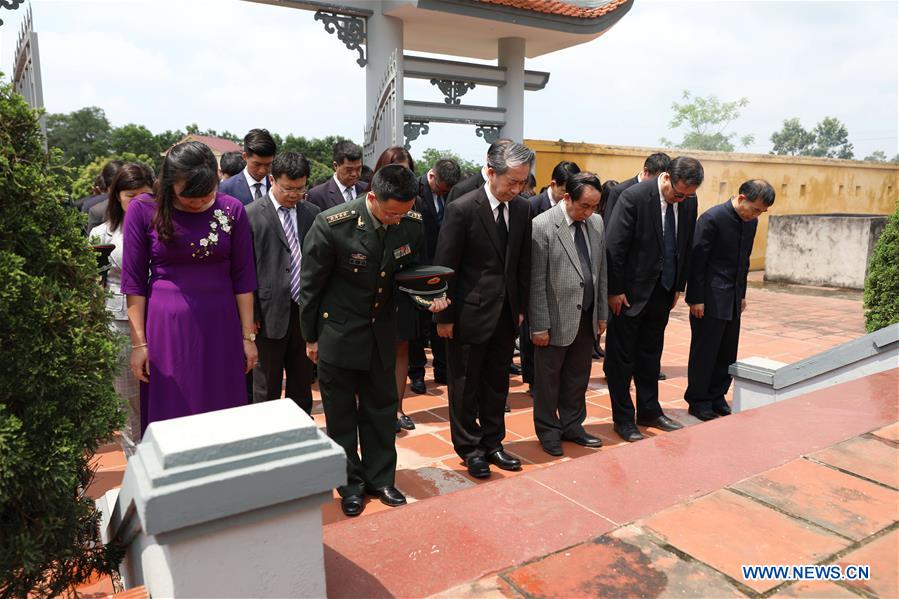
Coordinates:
628 432
514 369
440 379
553 448
721 408
418 386
585 440
662 376
352 505
478 467
504 461
703 414
398 426
662 422
406 423
389 496
507 409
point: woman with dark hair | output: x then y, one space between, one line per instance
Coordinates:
130 181
407 316
188 317
604 198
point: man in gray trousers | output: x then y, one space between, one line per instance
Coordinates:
567 311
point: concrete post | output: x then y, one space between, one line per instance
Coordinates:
385 44
227 504
511 95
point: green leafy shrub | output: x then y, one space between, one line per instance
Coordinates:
57 359
84 180
882 282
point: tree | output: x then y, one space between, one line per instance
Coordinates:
876 156
882 282
706 120
132 138
57 403
194 129
792 139
430 157
85 176
832 139
83 135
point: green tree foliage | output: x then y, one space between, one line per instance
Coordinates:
882 281
315 149
876 156
57 403
82 135
430 157
84 182
829 139
135 139
706 120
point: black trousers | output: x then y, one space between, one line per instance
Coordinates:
526 352
634 351
278 357
417 358
713 348
366 423
478 386
562 376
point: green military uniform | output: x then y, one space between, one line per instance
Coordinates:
347 306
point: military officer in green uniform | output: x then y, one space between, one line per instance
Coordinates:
350 255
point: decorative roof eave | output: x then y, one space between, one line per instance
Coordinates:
499 10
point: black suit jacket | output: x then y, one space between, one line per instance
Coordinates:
424 204
719 263
237 187
634 243
613 198
271 305
465 186
485 278
540 203
327 195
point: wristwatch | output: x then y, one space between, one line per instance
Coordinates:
249 337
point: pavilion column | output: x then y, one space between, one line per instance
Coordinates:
385 45
511 95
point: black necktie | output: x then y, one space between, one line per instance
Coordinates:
580 240
258 193
669 258
439 200
501 229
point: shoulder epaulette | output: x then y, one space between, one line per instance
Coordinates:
333 219
414 215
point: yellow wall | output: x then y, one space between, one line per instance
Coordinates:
803 185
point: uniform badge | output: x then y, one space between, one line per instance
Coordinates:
403 250
358 259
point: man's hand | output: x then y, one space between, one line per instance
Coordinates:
600 328
697 310
312 351
674 302
445 330
540 338
617 303
742 305
439 304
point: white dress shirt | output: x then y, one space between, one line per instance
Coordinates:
664 206
291 213
571 228
115 301
494 206
343 188
251 182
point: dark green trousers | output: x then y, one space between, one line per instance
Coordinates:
360 409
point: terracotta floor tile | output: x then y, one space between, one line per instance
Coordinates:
870 458
836 501
882 555
422 449
625 563
521 423
103 481
430 481
725 531
489 587
416 403
890 433
98 587
109 457
807 589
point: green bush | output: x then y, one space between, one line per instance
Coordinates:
84 180
882 282
57 360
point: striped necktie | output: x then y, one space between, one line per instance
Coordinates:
295 255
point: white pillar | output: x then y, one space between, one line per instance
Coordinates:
385 44
511 95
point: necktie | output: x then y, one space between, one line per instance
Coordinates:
580 240
501 229
290 232
258 192
348 192
439 200
669 257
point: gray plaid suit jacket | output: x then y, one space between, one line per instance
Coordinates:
556 279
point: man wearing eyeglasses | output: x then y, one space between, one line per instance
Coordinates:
345 185
650 234
279 222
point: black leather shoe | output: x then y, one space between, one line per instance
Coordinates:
703 414
398 426
553 448
721 408
585 440
628 432
352 505
662 376
514 369
440 379
507 409
504 461
662 422
406 423
389 496
478 467
418 386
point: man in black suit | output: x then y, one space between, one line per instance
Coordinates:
653 166
279 222
553 193
433 188
649 240
252 183
344 186
473 181
486 240
716 293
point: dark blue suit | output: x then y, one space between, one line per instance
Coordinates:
238 187
719 266
540 203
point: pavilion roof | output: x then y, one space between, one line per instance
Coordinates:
582 10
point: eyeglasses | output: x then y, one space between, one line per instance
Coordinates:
292 191
677 195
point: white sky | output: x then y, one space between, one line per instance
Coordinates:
229 64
